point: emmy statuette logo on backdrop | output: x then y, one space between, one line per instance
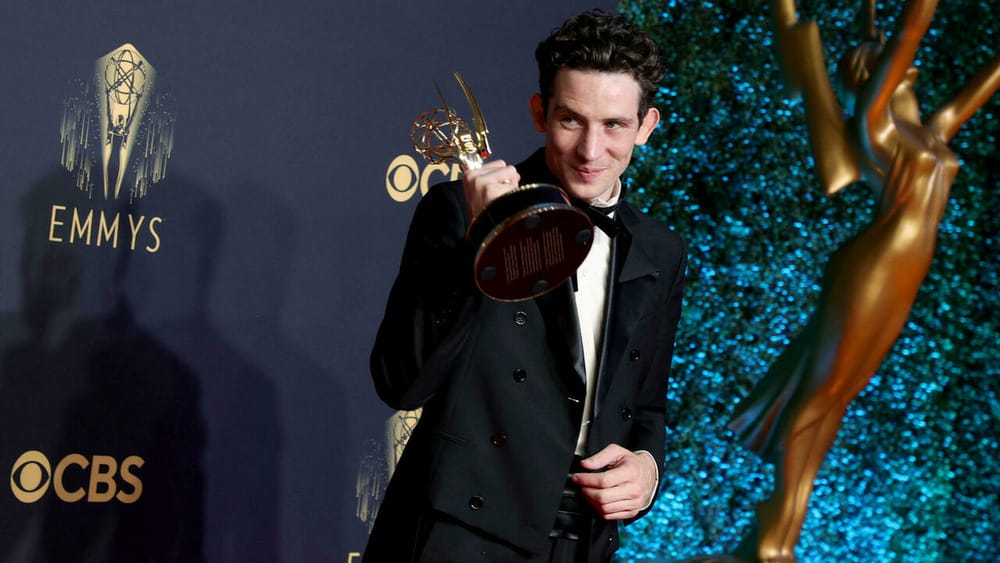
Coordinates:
116 136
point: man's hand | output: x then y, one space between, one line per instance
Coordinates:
483 185
625 486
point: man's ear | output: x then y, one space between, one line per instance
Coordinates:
649 123
537 112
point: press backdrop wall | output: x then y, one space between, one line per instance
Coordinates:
191 382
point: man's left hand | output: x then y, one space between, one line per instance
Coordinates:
624 485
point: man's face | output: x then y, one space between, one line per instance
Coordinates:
591 125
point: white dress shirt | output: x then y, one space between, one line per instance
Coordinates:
592 278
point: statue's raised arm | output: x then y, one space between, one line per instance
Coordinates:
947 120
893 63
804 67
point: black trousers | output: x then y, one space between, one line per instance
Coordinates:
574 523
568 551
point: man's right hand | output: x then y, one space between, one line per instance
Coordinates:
485 184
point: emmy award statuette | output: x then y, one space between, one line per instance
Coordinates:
529 240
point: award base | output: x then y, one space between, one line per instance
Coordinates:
528 242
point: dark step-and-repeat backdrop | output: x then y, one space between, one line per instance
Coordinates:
202 208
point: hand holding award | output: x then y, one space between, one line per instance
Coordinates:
529 239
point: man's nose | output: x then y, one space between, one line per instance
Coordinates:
588 146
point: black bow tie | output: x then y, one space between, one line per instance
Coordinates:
600 216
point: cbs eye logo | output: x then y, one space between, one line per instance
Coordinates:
404 177
100 478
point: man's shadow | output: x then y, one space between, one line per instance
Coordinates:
318 454
239 401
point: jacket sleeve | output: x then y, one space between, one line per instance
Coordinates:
651 417
429 310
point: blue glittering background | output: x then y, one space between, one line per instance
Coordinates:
914 475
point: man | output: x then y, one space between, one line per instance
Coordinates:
516 396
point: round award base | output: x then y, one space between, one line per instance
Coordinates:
528 242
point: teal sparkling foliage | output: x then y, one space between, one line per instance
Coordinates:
915 472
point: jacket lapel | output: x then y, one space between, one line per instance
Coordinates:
562 328
635 276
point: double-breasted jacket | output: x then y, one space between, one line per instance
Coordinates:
502 384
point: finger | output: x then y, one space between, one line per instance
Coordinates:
620 515
611 478
613 503
493 181
625 471
505 176
591 480
609 456
493 164
606 492
631 493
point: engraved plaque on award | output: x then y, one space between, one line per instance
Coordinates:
527 241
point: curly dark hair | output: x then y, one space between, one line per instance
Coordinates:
597 40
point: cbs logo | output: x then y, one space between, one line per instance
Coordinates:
404 176
98 479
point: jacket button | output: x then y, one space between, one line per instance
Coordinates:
475 503
626 414
520 375
520 318
499 439
633 355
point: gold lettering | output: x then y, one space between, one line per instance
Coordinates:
53 222
135 227
108 231
102 476
404 176
108 228
444 169
81 229
132 461
152 230
57 478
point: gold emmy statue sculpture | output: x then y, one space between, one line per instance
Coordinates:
529 240
792 416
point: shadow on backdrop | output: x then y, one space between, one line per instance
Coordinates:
172 290
316 467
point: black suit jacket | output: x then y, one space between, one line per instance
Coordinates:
502 384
